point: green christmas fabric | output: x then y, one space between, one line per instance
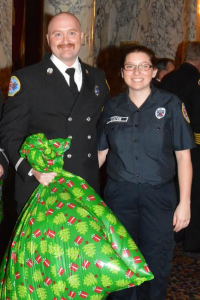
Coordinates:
67 244
1 202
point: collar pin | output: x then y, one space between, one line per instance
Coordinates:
49 71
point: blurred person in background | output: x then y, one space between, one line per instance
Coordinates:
185 83
164 66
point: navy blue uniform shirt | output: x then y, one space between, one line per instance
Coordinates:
142 141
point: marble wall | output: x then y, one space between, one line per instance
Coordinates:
161 25
84 10
5 43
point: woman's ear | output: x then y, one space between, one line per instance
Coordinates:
155 70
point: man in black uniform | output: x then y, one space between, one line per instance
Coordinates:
60 97
185 83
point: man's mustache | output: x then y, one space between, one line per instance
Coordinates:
69 45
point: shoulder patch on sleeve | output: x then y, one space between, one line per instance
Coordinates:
107 84
199 82
185 114
14 86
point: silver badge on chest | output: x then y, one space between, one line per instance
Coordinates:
160 112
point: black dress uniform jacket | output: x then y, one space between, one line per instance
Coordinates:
46 104
142 141
185 83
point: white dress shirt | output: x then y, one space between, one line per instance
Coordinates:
63 67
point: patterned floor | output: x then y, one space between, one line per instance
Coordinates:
185 278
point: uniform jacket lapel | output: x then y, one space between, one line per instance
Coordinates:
60 86
57 81
88 80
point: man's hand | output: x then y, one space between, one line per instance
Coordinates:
44 178
1 171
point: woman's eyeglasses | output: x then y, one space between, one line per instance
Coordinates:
141 67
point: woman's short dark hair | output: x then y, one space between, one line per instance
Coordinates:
139 48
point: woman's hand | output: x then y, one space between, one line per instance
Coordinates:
181 216
44 178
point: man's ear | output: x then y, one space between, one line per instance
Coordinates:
198 66
82 36
47 36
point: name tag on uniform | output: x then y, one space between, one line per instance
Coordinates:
118 119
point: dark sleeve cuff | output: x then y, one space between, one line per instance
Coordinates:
23 170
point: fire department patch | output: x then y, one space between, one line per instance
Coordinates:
185 114
14 86
160 112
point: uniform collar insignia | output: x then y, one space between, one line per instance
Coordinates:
49 71
96 90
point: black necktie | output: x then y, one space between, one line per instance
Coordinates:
72 83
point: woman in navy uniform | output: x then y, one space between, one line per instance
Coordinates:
138 133
41 99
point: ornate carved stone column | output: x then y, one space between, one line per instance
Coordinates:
84 10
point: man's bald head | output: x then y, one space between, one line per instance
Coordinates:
60 16
64 37
192 54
